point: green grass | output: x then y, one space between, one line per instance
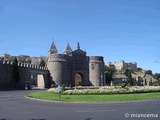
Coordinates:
94 98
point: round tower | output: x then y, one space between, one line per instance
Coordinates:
58 67
96 70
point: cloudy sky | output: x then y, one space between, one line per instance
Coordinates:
126 30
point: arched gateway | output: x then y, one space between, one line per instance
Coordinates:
74 67
78 79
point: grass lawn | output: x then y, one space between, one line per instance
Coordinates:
94 98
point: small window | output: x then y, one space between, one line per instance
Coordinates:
92 66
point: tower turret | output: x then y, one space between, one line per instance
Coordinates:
68 50
53 49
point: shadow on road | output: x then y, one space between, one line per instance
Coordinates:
38 119
89 119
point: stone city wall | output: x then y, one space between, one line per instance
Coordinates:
6 75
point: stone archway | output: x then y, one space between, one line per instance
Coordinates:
78 79
38 81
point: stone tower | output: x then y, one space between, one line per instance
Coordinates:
96 70
58 66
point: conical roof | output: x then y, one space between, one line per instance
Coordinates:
53 48
68 49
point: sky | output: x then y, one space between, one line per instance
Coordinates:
126 30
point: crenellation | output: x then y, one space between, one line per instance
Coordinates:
58 57
8 62
30 65
96 58
27 65
19 63
24 65
35 67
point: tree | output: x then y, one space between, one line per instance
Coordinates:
149 72
109 72
15 71
128 73
157 76
42 63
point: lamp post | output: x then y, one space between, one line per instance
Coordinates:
101 79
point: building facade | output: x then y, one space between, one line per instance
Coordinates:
75 67
122 64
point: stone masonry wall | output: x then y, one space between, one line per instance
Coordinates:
6 80
96 70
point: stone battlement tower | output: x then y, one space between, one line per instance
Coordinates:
75 68
96 68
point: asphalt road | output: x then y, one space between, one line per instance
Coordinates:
14 106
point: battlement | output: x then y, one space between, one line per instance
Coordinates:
96 59
26 65
58 57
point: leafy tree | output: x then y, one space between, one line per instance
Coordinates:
128 73
109 72
141 79
42 63
149 72
139 69
157 76
15 71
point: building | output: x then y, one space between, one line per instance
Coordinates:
122 64
69 68
75 68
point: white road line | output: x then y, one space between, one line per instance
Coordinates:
7 107
96 111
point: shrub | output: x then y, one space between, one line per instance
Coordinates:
122 85
70 87
109 90
63 88
53 85
156 83
141 79
129 84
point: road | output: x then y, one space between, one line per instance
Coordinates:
14 106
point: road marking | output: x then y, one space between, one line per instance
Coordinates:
96 111
107 110
7 107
